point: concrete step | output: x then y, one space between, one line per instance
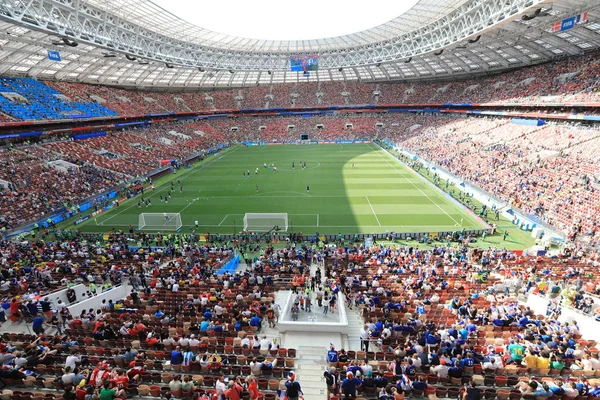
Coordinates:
312 392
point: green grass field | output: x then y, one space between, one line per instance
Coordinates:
353 189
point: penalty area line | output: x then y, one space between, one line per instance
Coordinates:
223 220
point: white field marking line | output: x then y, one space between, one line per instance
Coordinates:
416 187
427 228
317 220
281 191
223 220
370 205
181 177
189 204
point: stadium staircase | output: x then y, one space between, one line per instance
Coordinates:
310 366
351 339
32 100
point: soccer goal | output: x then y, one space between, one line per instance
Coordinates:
159 221
265 222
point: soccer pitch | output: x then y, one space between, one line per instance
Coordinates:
354 188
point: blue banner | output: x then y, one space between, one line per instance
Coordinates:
568 23
81 220
82 136
24 134
54 55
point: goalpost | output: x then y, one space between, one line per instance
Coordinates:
159 221
266 222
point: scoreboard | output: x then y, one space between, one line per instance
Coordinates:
304 62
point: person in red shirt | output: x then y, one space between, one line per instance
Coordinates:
253 388
235 390
135 372
14 310
82 391
99 324
120 380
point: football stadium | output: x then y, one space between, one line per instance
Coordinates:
265 200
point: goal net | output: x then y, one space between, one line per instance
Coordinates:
159 221
265 222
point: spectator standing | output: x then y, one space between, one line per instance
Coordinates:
293 389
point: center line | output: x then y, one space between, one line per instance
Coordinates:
370 205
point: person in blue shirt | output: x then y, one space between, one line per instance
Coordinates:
431 340
463 333
582 386
255 321
410 370
207 315
468 361
38 324
176 356
332 355
204 325
595 391
159 314
350 385
419 384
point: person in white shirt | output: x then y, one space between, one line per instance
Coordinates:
365 336
440 370
218 310
491 365
220 386
184 341
386 333
595 363
175 287
255 367
264 345
72 361
246 343
68 376
194 341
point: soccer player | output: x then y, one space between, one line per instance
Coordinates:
196 223
293 165
256 189
166 216
307 188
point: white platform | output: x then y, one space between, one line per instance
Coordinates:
310 322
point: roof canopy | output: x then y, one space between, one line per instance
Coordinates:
136 43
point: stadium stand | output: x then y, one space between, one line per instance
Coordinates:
29 99
572 80
37 189
91 312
